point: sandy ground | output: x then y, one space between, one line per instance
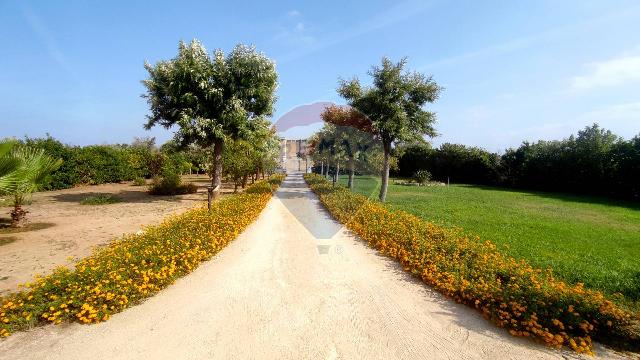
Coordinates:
72 230
294 285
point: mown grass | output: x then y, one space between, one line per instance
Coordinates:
590 240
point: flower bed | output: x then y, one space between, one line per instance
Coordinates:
528 302
134 267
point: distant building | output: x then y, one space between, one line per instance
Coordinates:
289 151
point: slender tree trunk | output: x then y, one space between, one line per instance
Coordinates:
352 170
244 181
335 176
385 170
18 215
321 167
327 169
216 179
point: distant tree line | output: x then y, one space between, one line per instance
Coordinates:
595 161
99 164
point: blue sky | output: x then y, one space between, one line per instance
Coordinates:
512 70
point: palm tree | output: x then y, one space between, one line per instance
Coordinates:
23 170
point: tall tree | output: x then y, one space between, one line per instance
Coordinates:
210 99
394 105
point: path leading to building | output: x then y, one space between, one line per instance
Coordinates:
294 285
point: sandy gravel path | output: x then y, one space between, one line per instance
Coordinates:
294 285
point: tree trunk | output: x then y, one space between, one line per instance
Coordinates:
335 176
18 215
321 167
352 170
244 181
326 171
216 179
385 170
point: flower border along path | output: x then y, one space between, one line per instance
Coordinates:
136 266
528 302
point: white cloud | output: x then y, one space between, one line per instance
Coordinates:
46 37
295 35
613 72
399 12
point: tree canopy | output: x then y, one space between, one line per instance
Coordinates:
210 98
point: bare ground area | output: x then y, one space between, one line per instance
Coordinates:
61 229
294 285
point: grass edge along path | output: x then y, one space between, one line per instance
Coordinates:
134 267
526 301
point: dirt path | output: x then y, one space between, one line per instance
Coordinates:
294 285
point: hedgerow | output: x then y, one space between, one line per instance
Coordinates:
134 267
528 302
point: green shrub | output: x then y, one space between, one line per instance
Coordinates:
100 199
99 164
66 176
169 183
422 177
139 181
168 186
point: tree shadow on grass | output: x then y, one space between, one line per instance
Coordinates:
564 197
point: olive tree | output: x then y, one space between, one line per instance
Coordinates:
394 105
210 98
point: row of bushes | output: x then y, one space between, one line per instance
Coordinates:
134 267
594 162
98 164
527 301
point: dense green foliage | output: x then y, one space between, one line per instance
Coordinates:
256 154
99 164
211 99
511 293
589 240
594 162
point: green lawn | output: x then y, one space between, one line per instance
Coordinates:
591 240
